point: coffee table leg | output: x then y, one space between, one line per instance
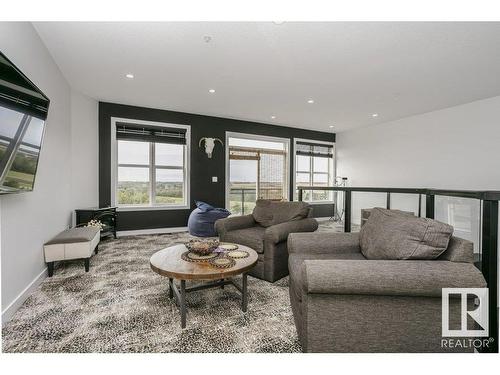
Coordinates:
183 303
244 302
170 291
222 286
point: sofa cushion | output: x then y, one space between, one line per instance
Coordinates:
252 237
389 234
268 213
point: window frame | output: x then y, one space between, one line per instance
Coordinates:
152 168
311 173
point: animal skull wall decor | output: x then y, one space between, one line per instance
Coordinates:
209 145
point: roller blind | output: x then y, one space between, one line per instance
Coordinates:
314 149
272 176
147 133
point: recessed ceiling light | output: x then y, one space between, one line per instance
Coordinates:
211 91
278 22
273 117
375 115
310 101
129 75
331 126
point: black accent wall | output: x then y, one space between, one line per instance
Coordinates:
202 168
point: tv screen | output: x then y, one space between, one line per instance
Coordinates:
23 110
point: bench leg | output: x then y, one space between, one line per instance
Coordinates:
87 264
50 267
96 249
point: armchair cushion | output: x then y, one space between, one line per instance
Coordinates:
323 243
223 226
268 213
289 211
295 267
280 232
263 212
388 277
252 237
389 234
459 250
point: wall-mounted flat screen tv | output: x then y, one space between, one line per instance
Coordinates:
23 110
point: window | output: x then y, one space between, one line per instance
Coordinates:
257 168
151 166
314 166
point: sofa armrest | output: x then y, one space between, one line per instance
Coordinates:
232 223
388 277
279 232
323 243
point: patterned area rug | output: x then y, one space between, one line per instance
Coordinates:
122 306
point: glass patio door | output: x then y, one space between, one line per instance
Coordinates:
257 170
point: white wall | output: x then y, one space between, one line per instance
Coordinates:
453 148
30 219
84 151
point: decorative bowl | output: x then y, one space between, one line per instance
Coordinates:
202 247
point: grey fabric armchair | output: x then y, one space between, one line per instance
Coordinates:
343 302
266 231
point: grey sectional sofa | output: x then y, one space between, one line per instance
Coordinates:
266 231
343 302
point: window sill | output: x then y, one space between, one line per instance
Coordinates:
151 208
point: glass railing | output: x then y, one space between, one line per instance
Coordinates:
242 200
474 215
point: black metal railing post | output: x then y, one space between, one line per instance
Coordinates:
489 262
347 211
429 205
388 201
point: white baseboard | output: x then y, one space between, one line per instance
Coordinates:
9 311
150 231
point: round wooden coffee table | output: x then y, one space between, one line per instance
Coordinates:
169 263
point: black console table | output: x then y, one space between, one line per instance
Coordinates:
106 215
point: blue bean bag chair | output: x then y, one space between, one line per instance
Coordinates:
201 222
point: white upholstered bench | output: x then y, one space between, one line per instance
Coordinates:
74 243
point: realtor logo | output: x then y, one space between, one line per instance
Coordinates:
479 313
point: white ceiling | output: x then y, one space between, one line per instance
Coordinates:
351 70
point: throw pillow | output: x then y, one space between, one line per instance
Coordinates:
289 211
263 212
391 234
